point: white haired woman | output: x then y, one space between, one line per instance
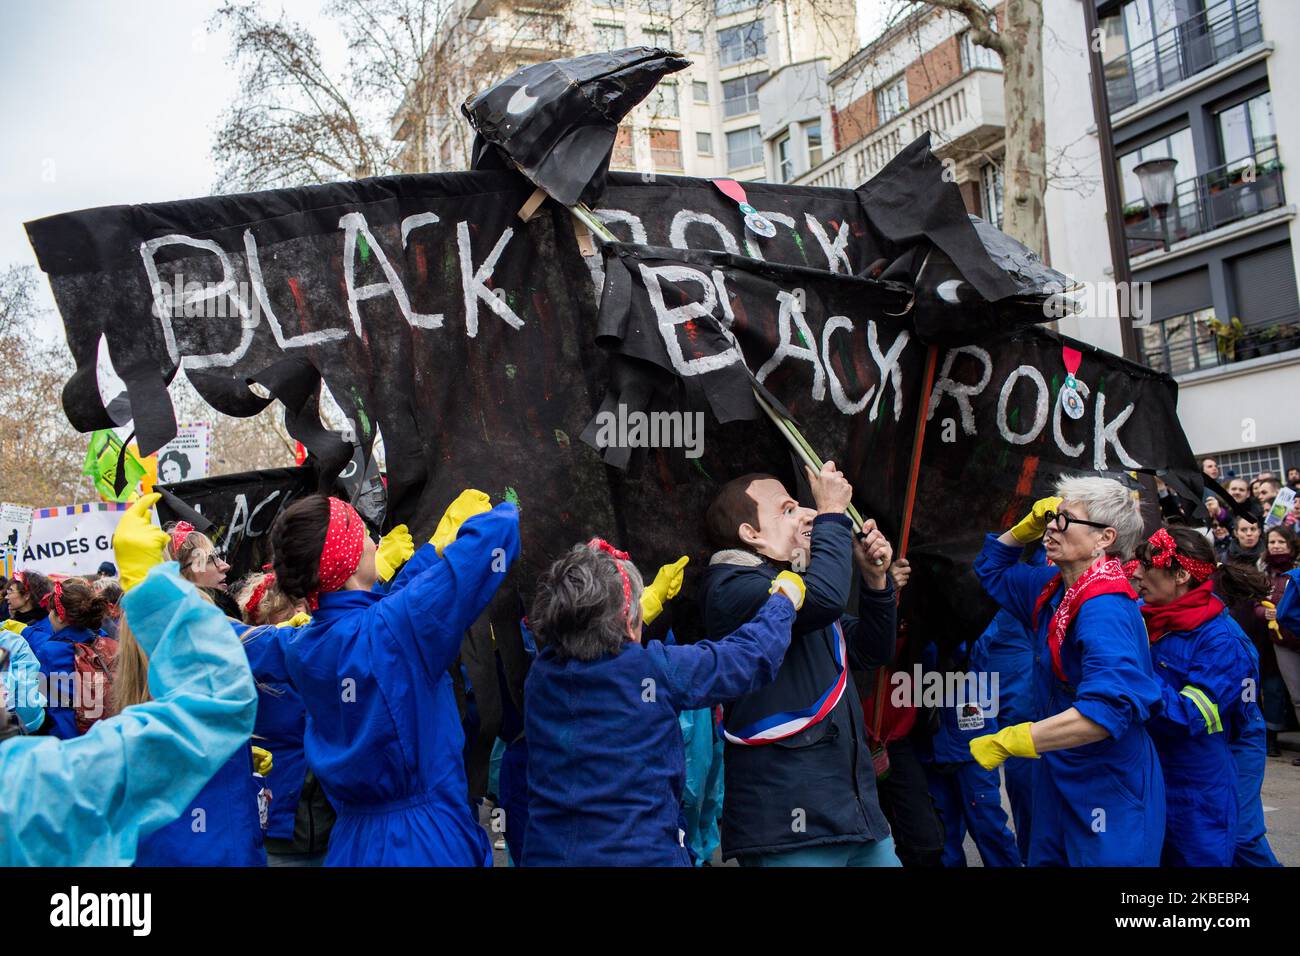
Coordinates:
1099 795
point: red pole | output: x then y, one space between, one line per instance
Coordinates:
918 440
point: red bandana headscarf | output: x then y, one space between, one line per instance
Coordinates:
600 544
55 599
345 541
1105 577
181 531
1164 550
255 599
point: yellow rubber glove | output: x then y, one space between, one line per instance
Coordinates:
1272 625
1032 525
300 619
791 585
138 543
991 750
16 626
665 587
261 761
467 504
395 549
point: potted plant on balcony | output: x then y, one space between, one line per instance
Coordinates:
1135 213
1287 336
1268 340
1226 335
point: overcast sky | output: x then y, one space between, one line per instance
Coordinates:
118 102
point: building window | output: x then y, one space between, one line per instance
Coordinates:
891 100
1249 462
610 36
991 193
745 42
725 8
663 99
1178 145
976 57
664 7
612 4
784 161
1180 343
704 144
813 134
542 28
744 148
700 89
660 37
694 41
741 94
1246 130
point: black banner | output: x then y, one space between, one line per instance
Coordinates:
239 509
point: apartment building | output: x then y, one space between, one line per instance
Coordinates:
1206 83
703 121
923 73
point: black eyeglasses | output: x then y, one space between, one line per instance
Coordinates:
1062 520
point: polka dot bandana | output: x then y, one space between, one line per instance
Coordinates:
252 607
180 532
600 544
345 540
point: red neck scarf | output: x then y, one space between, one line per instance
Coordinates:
345 542
1189 612
1105 577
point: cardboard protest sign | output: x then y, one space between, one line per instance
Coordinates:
1281 507
185 457
15 529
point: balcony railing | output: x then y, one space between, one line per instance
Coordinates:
1224 29
967 110
1188 343
1229 193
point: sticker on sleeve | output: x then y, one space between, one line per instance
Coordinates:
970 717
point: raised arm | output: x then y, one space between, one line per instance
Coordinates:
712 672
87 801
1015 586
429 616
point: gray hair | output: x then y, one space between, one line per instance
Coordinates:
579 605
1109 503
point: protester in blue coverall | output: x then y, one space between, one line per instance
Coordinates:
606 759
76 612
967 796
1207 679
1007 648
91 798
383 729
1099 795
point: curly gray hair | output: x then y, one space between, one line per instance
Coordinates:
579 605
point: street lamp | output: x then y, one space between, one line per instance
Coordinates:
1156 177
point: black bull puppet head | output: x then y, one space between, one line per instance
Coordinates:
491 353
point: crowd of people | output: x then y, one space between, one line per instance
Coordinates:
157 714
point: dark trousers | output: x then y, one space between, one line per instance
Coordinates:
905 799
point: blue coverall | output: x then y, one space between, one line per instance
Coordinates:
1101 804
1007 646
56 654
1203 674
966 796
383 729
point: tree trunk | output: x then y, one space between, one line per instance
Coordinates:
1025 165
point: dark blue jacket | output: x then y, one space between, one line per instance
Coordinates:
816 786
606 760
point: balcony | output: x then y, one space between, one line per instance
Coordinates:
967 113
1226 194
1190 343
1223 30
